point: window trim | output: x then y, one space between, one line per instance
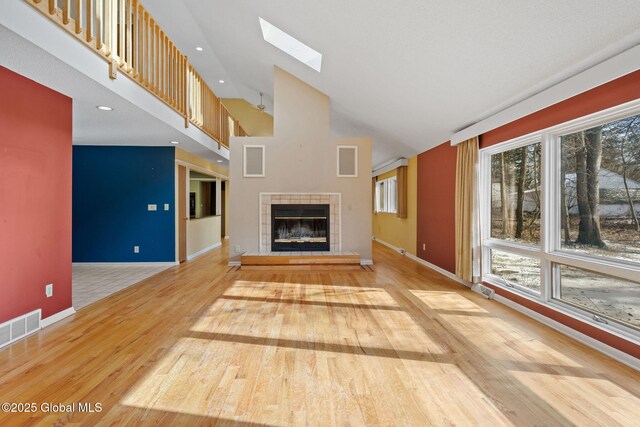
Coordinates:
549 251
386 199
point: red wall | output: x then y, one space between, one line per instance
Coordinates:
436 187
35 197
616 92
436 204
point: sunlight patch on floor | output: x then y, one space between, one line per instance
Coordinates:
573 397
447 301
497 339
222 379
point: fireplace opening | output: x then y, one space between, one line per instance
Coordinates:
300 228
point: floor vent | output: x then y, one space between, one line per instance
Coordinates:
487 292
19 327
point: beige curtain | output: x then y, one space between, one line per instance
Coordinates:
401 190
465 215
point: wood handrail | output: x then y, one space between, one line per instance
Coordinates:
124 34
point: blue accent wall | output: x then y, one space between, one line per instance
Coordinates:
112 187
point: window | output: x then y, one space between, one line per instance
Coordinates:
600 198
516 270
387 195
515 194
609 296
560 215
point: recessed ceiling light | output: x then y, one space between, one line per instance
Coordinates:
290 45
175 142
220 81
219 161
104 108
199 49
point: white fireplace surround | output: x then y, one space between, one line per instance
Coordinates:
334 200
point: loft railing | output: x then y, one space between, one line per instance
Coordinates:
130 40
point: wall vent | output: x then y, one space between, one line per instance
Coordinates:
487 291
347 160
19 327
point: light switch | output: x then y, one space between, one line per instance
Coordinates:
166 206
152 207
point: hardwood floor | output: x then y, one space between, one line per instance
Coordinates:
204 344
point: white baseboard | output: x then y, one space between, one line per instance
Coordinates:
614 353
124 264
425 263
207 249
57 317
366 261
234 264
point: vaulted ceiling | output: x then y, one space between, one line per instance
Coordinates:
407 73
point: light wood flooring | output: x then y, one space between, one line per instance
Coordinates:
206 344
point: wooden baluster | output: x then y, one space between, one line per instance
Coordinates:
121 26
168 67
129 37
88 24
145 47
165 70
163 64
66 6
135 38
160 63
52 7
174 79
179 80
172 76
108 26
183 82
155 59
100 27
78 16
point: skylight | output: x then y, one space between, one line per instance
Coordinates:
290 45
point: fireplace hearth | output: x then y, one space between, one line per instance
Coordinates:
300 227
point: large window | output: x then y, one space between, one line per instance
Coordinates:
560 216
387 195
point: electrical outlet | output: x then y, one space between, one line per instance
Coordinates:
424 246
238 249
136 249
48 290
166 206
152 207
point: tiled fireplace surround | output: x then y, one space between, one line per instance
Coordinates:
331 199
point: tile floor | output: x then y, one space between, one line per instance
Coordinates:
94 282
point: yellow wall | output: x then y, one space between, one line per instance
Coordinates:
400 232
252 120
202 233
185 156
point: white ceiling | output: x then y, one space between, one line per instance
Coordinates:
126 125
407 73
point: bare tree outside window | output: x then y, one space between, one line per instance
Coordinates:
600 202
515 194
